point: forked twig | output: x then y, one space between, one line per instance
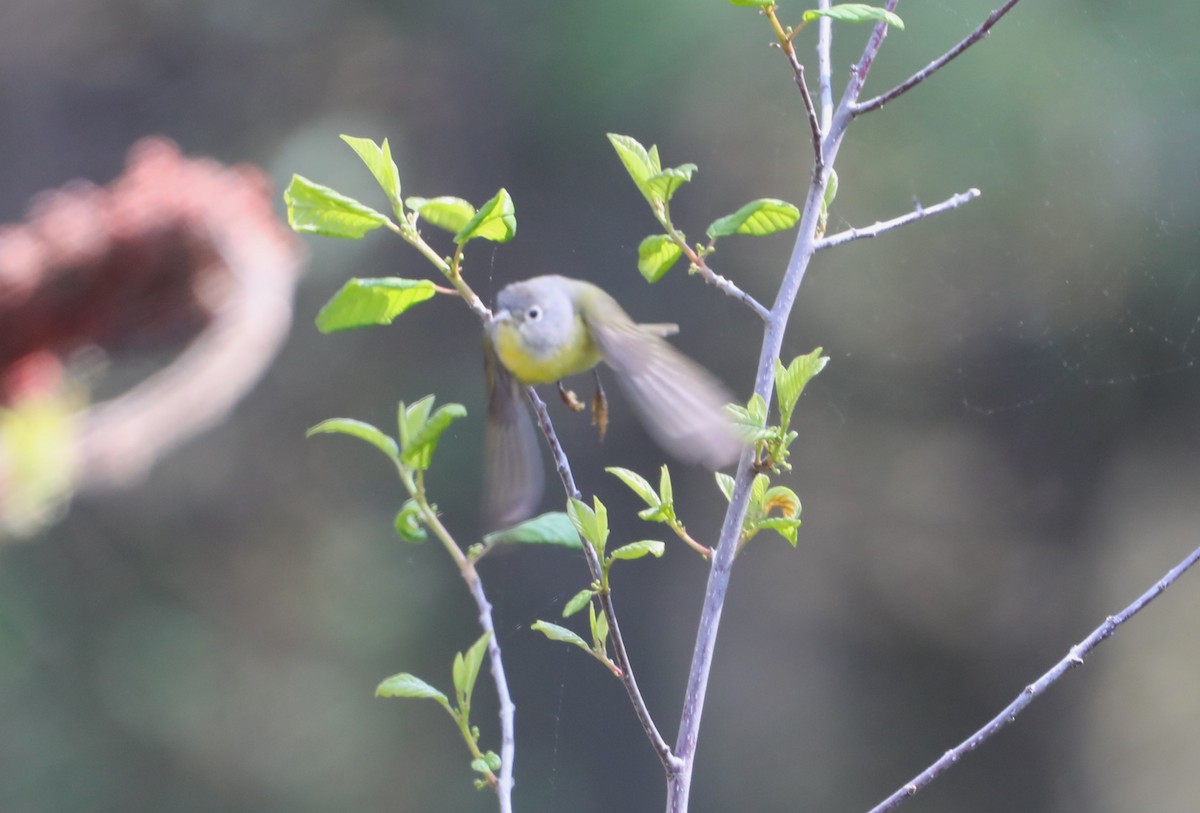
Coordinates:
936 65
1072 659
880 227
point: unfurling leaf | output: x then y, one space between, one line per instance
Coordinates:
360 430
406 685
496 220
556 633
378 158
577 602
408 522
636 550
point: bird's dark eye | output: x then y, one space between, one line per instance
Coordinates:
533 314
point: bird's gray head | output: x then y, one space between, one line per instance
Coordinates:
541 310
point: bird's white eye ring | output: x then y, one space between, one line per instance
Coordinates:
534 313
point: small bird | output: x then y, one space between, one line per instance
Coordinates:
550 327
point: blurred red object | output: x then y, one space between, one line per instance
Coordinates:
175 249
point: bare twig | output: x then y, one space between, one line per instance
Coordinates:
824 69
508 743
669 761
1072 659
789 50
725 285
880 227
937 64
858 73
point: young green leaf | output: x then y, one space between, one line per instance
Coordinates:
662 185
406 685
656 254
480 766
493 760
640 164
445 212
556 633
408 523
592 524
636 550
783 526
411 418
316 209
368 302
725 483
599 623
577 602
791 380
496 220
360 430
472 661
553 528
418 451
639 484
757 218
666 492
750 421
378 158
856 13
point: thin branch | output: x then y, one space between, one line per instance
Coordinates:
824 65
858 73
880 227
1072 659
669 761
508 743
937 64
789 49
725 285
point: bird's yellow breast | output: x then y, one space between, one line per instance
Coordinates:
531 364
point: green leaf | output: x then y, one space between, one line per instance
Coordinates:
378 158
656 254
408 522
496 220
360 430
480 766
640 164
556 633
368 302
592 524
636 550
406 685
410 418
577 602
599 622
493 760
316 209
666 492
783 500
783 526
639 484
725 483
831 190
662 185
445 212
750 421
418 451
757 218
553 528
791 380
856 13
472 661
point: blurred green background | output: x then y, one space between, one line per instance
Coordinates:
1001 452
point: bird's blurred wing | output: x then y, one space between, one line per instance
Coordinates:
513 476
680 403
